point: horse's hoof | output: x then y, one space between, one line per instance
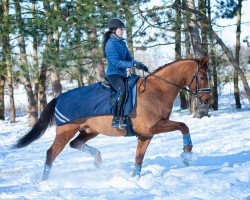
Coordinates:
45 178
98 160
137 171
46 172
186 157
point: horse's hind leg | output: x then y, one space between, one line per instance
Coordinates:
80 143
63 135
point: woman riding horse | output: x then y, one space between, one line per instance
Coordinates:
149 117
119 59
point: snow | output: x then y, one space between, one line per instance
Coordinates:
220 168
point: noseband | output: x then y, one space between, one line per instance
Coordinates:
195 78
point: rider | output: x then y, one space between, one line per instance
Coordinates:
119 59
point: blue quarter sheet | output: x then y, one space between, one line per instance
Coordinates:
93 100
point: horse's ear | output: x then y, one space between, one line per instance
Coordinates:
203 64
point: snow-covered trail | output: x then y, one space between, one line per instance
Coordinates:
221 169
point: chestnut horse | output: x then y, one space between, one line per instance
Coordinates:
150 116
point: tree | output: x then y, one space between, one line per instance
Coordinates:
228 53
237 56
200 109
177 29
232 60
7 63
55 63
25 78
186 16
2 62
214 88
228 10
34 35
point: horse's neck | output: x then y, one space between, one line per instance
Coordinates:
175 73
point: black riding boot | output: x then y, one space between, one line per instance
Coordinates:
115 121
118 120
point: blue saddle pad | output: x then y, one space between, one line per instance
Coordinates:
93 100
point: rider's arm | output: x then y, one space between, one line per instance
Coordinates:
113 57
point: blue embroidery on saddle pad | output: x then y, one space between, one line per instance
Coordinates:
89 101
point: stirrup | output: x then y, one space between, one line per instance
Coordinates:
122 123
115 123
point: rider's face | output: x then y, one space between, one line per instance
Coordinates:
119 32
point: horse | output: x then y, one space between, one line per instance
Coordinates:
156 93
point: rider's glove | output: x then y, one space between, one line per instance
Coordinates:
140 65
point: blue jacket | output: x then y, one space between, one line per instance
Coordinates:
118 56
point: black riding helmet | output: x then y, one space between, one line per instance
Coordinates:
115 23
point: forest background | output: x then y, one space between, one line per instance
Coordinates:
43 43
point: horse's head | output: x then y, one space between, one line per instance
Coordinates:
199 84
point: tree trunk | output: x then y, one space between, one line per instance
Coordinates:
54 65
204 28
214 88
237 56
214 103
7 61
32 104
12 102
196 44
129 18
35 52
178 56
79 67
80 80
202 109
177 31
96 57
186 32
2 107
44 67
42 86
194 31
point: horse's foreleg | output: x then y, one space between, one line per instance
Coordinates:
63 135
80 143
167 126
142 146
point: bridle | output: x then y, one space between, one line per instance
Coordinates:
197 89
195 78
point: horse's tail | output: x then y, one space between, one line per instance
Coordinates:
40 126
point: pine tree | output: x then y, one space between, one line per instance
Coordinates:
25 77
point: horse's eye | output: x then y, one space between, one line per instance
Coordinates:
203 78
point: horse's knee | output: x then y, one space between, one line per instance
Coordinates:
183 128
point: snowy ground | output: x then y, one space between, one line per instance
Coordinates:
220 170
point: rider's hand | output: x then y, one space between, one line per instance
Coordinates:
140 65
145 68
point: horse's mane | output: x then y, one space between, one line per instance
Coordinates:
168 64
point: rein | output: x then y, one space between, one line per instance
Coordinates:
195 77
